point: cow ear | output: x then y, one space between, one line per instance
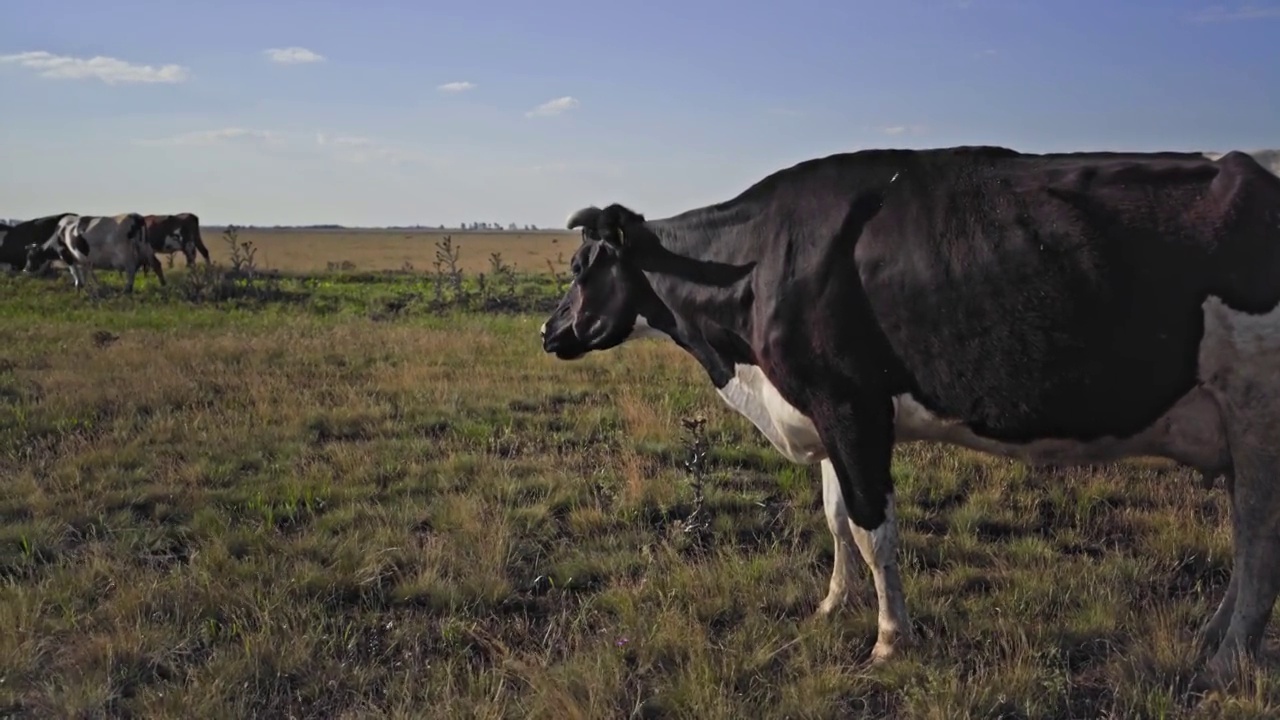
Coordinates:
614 223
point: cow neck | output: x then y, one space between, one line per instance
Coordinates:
700 268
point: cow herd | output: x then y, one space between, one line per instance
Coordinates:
128 242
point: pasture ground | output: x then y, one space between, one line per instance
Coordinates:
312 251
334 498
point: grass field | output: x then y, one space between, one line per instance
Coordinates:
316 250
338 497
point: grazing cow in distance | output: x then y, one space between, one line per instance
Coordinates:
85 242
1060 309
17 239
171 233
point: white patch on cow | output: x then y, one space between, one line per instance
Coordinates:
794 435
172 242
644 330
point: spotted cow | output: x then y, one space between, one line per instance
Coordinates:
1060 309
85 242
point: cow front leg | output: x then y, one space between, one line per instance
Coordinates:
859 441
843 539
879 549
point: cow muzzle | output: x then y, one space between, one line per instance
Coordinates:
559 339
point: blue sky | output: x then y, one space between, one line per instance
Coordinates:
378 112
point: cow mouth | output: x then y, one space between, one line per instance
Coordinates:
564 345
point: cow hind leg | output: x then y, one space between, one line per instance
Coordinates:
1255 577
1238 354
154 262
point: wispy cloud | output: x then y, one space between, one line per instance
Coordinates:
456 87
109 70
342 140
785 112
1223 13
292 55
357 149
903 129
362 150
554 107
989 52
215 137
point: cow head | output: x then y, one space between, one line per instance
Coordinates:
39 255
607 298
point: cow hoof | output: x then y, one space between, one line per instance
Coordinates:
890 646
828 606
883 652
1221 673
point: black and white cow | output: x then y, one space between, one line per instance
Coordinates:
85 242
1059 309
17 239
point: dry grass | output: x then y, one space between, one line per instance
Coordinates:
315 250
277 512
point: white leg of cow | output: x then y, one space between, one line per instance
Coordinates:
1255 515
879 550
842 537
1238 356
76 282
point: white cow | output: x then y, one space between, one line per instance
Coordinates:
85 242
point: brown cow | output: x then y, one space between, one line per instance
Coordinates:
170 233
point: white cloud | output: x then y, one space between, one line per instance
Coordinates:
1248 11
356 149
292 55
107 69
363 150
456 87
343 140
214 137
902 129
554 107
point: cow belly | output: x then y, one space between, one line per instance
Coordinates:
751 394
1238 356
1191 432
112 256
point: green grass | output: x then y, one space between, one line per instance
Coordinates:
316 506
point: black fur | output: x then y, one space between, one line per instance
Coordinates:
1027 296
